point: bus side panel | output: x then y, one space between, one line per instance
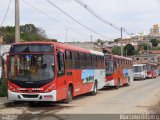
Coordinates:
99 75
76 79
87 80
61 88
115 77
128 75
82 81
120 76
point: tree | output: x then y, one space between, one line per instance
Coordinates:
116 50
144 46
31 33
154 42
136 52
129 50
156 48
8 34
28 32
116 40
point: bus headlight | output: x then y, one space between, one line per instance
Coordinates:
12 88
50 88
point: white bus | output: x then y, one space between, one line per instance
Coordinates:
139 71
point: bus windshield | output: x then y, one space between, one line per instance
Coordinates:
109 67
31 67
137 69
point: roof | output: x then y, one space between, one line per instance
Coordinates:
107 50
154 51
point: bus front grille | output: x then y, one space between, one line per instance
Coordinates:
29 96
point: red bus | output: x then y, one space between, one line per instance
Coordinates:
51 71
118 70
151 70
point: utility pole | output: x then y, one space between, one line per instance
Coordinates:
17 27
148 51
121 41
91 37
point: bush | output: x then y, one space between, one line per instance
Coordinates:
3 89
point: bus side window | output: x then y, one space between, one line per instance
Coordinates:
60 61
115 66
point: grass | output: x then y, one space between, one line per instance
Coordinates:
3 89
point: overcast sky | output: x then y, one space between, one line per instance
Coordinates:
134 15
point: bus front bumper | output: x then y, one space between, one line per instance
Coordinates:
51 96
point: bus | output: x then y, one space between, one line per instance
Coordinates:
52 71
152 71
118 70
139 71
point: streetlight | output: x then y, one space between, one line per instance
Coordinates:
121 41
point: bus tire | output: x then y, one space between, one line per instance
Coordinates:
118 84
69 95
94 92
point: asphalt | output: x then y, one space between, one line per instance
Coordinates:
140 97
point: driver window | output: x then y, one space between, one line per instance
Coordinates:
60 61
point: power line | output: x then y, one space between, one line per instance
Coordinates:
100 18
93 13
5 14
77 20
52 18
43 12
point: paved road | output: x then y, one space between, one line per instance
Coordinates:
137 98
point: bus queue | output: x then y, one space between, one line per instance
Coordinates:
52 71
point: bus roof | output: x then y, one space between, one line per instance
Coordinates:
120 57
62 46
96 52
139 64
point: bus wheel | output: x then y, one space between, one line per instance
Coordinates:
118 85
94 92
69 95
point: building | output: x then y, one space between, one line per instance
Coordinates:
153 56
99 45
155 30
4 49
124 43
86 45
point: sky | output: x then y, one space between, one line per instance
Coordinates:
134 15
